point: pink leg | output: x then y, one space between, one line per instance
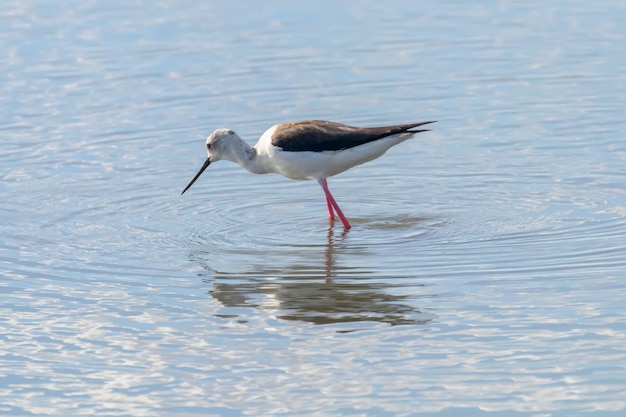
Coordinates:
329 205
330 201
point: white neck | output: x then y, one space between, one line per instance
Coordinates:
245 155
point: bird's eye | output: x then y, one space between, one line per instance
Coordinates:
208 146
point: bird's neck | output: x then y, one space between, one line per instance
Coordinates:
247 156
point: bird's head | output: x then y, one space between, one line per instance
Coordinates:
218 146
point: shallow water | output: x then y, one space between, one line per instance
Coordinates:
484 274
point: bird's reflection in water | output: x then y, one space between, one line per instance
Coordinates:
318 292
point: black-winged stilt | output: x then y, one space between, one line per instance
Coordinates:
307 150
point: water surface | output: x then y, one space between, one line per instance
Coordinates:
484 274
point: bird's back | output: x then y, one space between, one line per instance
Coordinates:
320 135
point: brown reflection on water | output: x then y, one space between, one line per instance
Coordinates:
318 292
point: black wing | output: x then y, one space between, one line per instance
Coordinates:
320 135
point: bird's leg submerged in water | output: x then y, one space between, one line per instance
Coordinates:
331 203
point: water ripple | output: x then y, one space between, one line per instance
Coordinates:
485 267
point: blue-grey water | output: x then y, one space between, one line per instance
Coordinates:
485 274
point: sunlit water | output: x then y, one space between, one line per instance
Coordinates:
485 272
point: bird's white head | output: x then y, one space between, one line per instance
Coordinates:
221 144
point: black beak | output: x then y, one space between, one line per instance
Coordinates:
205 166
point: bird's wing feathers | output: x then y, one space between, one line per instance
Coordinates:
319 135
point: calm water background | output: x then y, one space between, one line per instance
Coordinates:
486 270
